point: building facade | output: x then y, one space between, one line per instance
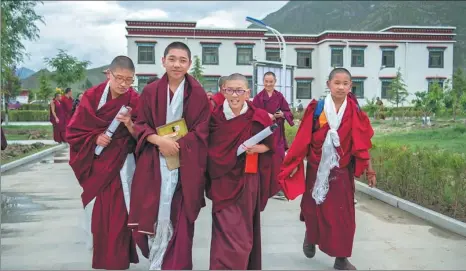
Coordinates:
422 54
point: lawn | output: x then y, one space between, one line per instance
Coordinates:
28 132
450 138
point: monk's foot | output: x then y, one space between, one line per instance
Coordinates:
309 249
280 195
343 264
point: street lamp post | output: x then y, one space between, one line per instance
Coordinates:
282 44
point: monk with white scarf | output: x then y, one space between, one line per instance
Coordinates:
165 203
238 195
106 178
335 137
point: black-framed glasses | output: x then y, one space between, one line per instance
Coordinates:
239 92
120 79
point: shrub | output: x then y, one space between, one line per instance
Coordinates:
433 178
27 115
34 107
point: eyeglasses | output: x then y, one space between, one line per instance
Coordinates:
120 79
230 91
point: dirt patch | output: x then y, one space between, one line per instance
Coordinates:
27 134
17 151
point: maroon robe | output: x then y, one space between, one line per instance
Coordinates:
99 177
67 104
238 197
330 225
188 198
59 129
4 142
217 100
272 104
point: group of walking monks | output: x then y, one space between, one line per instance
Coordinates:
135 199
61 109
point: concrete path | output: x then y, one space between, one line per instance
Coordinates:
45 232
28 123
28 142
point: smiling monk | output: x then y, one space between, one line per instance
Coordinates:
335 137
106 178
238 195
166 202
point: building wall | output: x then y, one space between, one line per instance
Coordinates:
411 57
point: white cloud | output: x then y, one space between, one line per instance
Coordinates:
95 30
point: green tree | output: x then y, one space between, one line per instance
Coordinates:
45 89
431 101
68 69
397 92
197 70
18 24
457 92
10 87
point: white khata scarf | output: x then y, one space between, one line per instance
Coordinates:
163 226
330 158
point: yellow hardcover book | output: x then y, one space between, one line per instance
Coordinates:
174 130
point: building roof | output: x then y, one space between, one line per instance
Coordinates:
189 29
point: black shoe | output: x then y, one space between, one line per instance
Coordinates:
343 264
309 249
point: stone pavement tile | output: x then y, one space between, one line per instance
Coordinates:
49 233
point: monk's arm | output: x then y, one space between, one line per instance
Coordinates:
287 114
52 106
200 130
142 131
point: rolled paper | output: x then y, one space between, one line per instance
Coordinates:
257 138
111 129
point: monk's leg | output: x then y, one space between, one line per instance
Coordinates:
113 247
233 236
331 225
179 253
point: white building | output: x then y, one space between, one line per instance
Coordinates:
423 54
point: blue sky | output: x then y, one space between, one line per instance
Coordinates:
95 30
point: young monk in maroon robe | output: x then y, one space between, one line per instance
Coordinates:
218 98
238 197
276 105
58 119
165 203
67 103
106 178
335 137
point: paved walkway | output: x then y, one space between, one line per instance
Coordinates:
28 123
46 231
28 142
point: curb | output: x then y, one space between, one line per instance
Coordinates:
32 157
433 217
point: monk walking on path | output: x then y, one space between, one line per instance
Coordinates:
279 111
238 194
106 178
166 202
335 137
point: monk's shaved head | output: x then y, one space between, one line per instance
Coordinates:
238 77
221 81
177 45
122 62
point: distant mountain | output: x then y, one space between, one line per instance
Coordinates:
24 73
313 17
95 76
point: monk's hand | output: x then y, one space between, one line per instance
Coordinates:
278 114
167 146
103 140
272 117
371 178
57 120
259 148
294 172
125 118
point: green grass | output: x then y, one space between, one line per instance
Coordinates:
450 139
